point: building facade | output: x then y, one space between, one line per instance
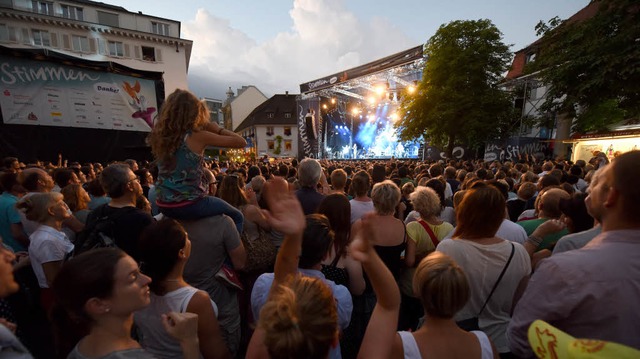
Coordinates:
238 107
271 128
97 31
215 110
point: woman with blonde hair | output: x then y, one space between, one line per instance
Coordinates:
77 199
494 266
178 141
48 246
424 236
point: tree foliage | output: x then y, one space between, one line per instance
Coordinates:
592 66
457 102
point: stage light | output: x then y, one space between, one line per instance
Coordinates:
380 90
333 101
372 100
337 127
411 89
324 106
394 117
371 118
355 111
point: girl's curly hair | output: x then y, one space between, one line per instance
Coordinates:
181 112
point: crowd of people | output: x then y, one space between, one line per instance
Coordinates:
192 258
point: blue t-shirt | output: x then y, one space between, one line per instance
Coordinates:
9 215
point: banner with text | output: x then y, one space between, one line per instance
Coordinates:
515 148
49 94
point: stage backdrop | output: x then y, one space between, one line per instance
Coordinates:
52 94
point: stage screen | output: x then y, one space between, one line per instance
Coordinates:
367 134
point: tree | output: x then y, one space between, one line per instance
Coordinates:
592 66
458 102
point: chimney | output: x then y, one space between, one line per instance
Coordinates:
286 93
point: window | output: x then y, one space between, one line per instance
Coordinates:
80 43
287 131
116 48
270 115
148 53
41 37
270 144
270 131
107 18
160 28
4 33
287 145
72 12
42 7
530 58
287 115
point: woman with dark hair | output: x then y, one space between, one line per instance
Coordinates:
361 202
146 180
338 266
96 295
494 266
165 249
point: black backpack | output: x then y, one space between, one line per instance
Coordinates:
101 232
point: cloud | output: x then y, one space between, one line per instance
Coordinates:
325 38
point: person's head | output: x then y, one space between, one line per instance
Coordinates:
316 241
614 193
283 170
527 190
231 190
133 164
439 187
309 172
300 319
435 170
361 183
408 188
337 209
403 171
252 172
548 204
163 245
338 179
11 164
502 186
575 214
8 284
441 286
181 112
426 202
457 198
75 197
212 182
94 188
9 183
43 207
379 173
385 196
65 176
100 283
146 179
36 180
450 172
480 213
548 180
118 181
257 183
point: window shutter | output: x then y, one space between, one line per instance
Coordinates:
92 45
66 42
102 50
54 39
137 53
158 55
26 39
127 50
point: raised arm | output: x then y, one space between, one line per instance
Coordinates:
381 330
285 216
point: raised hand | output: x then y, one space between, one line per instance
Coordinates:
285 214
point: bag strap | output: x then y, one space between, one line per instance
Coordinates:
513 248
434 239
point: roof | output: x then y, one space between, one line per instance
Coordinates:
517 66
278 105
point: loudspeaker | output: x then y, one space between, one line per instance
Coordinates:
310 126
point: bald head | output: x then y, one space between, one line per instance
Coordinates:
36 180
625 173
549 205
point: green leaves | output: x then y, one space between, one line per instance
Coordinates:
595 63
457 101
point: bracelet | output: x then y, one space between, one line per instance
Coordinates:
535 240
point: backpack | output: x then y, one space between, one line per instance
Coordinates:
101 232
